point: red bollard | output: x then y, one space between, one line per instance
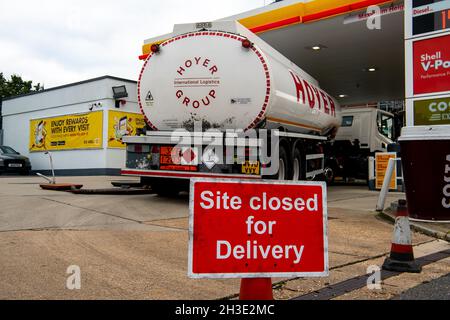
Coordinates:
256 289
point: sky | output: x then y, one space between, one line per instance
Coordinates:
55 42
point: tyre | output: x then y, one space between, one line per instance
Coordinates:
168 187
329 175
146 182
283 168
25 172
297 167
165 190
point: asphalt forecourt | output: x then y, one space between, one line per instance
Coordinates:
136 246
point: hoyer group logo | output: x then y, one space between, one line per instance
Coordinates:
432 65
196 82
316 98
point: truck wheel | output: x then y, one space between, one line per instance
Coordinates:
165 189
283 169
329 175
297 166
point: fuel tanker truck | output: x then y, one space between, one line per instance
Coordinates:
219 102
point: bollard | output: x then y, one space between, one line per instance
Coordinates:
371 173
386 184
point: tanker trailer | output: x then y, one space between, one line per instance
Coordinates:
212 92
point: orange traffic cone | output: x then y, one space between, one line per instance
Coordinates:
256 289
401 258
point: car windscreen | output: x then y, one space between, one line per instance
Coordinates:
385 125
7 150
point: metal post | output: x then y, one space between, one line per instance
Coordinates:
371 168
256 289
53 179
403 176
51 167
1 121
386 184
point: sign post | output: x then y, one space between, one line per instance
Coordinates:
256 231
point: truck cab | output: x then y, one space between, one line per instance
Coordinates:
373 128
364 132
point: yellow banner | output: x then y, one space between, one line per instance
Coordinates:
75 131
122 124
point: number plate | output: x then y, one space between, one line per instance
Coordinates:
15 165
203 25
251 168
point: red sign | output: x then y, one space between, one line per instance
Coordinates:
242 229
432 65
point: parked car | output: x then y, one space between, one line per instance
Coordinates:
12 161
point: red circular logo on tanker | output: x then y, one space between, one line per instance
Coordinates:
196 81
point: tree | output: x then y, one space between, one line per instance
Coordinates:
16 86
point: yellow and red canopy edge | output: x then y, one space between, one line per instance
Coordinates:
294 14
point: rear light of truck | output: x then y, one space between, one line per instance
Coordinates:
138 148
155 149
247 44
155 48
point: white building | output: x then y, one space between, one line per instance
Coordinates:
58 119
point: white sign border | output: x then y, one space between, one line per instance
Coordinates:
193 275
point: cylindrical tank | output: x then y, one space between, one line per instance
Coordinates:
227 82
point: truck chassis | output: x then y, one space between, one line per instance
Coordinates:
166 160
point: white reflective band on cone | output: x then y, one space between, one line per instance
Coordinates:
402 231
